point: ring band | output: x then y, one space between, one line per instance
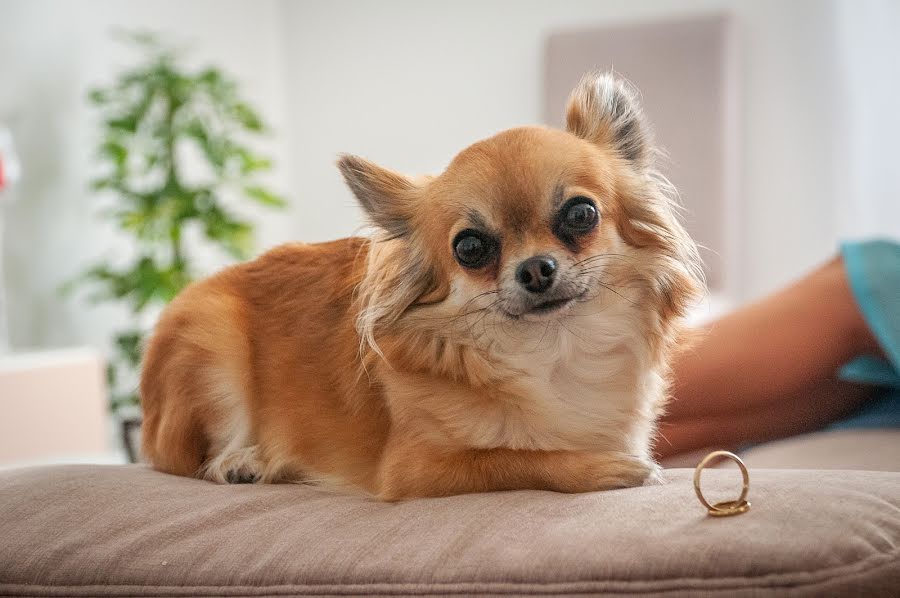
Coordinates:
728 507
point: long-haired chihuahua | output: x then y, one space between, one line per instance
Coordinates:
508 325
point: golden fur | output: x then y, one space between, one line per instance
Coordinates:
385 365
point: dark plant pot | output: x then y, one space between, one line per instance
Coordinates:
131 437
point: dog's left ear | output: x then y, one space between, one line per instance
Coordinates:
387 196
605 110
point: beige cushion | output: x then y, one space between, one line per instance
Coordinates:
869 449
127 530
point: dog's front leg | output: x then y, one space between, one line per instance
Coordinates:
411 470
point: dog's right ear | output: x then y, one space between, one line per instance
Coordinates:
387 197
605 110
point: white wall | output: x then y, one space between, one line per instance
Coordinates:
866 156
406 83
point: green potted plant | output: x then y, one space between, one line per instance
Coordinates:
151 115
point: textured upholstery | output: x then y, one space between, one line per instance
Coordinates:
127 530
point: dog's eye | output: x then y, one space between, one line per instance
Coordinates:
579 214
472 249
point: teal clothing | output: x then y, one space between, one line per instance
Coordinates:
873 269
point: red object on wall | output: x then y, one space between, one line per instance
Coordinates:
2 178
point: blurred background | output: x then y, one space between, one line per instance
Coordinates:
779 117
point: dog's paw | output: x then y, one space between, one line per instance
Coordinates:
236 467
626 471
655 477
241 476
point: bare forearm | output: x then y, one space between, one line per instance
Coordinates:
777 347
809 410
768 370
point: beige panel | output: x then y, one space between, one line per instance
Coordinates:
685 70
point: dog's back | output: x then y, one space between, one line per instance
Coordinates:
246 348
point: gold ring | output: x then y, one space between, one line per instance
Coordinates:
728 507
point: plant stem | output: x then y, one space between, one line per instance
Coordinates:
177 252
173 184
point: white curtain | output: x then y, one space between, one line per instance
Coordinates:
867 160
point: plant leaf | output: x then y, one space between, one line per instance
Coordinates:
248 118
264 197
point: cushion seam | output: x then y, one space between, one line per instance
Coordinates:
658 585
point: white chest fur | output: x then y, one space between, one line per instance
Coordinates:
581 383
587 385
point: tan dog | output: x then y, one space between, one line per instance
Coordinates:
508 326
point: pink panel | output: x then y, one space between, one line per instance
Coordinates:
52 405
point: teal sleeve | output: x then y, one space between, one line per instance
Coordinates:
873 270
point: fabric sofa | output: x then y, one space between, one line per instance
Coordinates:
129 531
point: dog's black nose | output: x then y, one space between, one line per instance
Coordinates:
536 273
